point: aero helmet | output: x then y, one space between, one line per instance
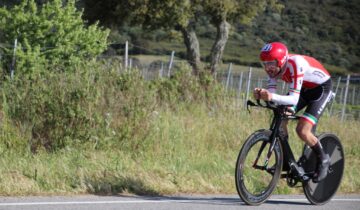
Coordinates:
274 51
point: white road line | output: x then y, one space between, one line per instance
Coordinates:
81 202
159 201
304 199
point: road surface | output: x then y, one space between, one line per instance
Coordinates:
188 202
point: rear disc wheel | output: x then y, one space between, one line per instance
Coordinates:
322 192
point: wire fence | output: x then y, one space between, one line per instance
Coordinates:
345 105
239 81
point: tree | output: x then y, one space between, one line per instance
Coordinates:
225 12
53 34
183 16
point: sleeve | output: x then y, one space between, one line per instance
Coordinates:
292 98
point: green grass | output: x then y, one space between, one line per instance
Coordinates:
186 151
106 133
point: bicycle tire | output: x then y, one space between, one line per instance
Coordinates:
322 192
254 189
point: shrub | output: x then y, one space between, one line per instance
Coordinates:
54 34
93 105
55 107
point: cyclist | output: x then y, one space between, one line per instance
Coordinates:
309 86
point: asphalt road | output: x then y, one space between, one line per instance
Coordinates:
92 202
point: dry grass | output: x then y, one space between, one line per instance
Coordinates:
187 151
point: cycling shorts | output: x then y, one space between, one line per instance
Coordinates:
315 100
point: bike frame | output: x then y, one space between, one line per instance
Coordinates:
288 156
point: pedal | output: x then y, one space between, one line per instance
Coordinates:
291 182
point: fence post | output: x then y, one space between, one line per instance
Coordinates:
130 63
248 87
353 96
161 70
12 67
341 91
336 92
228 76
171 62
126 54
345 98
240 84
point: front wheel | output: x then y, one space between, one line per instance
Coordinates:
320 193
255 179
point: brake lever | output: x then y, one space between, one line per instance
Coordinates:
249 103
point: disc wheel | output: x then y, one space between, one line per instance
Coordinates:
322 192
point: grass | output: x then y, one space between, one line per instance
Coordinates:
186 151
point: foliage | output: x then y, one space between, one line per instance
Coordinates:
93 105
55 107
182 15
183 86
53 34
327 30
185 151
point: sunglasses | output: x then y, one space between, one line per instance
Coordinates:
269 63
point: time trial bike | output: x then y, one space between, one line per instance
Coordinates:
266 156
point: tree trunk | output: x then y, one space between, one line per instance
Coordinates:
192 46
223 28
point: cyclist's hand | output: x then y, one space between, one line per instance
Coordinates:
257 93
265 95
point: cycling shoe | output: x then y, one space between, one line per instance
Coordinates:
322 169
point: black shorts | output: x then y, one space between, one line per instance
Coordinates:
315 100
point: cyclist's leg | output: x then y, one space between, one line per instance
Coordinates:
307 124
304 131
316 100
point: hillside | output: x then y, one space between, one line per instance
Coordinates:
328 30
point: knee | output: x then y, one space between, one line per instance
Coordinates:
301 131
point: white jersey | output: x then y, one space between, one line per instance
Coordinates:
300 72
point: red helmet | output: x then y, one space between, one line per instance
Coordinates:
274 51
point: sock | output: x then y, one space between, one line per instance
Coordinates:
318 149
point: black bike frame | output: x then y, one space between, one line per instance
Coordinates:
288 156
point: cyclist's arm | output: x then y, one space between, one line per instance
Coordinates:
294 87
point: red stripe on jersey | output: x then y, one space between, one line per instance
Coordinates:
295 72
309 85
286 76
314 63
300 75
